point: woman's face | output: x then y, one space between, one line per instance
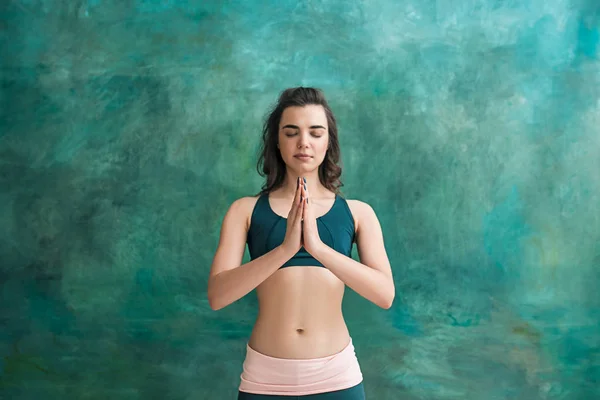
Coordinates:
303 130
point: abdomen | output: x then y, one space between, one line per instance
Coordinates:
300 314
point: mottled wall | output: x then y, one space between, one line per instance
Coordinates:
128 127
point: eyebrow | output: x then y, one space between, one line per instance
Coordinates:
296 127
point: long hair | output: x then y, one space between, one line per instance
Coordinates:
271 164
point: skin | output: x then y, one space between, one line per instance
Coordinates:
300 308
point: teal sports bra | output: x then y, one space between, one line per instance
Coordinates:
267 231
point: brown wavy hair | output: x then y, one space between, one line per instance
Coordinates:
271 164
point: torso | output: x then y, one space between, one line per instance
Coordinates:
300 308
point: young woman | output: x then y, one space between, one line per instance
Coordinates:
300 232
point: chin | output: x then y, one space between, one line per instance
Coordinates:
301 168
295 164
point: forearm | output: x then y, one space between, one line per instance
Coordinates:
368 282
230 286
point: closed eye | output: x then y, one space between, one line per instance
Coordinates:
294 134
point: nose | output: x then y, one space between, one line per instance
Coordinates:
303 139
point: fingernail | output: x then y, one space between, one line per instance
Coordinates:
304 186
304 180
307 200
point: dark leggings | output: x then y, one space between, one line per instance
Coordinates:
354 393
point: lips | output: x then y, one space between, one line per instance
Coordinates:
302 155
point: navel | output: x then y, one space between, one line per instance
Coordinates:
300 330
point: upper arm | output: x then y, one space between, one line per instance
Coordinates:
369 240
232 240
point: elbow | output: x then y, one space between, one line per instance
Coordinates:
386 304
217 303
213 302
387 301
213 299
214 305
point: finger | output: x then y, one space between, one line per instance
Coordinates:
305 208
296 201
305 198
301 193
298 191
300 210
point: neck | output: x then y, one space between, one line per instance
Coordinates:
313 184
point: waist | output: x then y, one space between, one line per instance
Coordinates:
299 341
299 313
263 374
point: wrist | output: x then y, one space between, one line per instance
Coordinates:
287 252
319 249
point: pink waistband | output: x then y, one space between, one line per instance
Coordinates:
263 374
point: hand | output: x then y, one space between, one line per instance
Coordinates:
293 233
310 233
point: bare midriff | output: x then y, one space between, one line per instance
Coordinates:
300 314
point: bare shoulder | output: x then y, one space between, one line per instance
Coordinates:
246 205
359 210
369 241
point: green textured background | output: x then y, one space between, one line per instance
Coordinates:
128 127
